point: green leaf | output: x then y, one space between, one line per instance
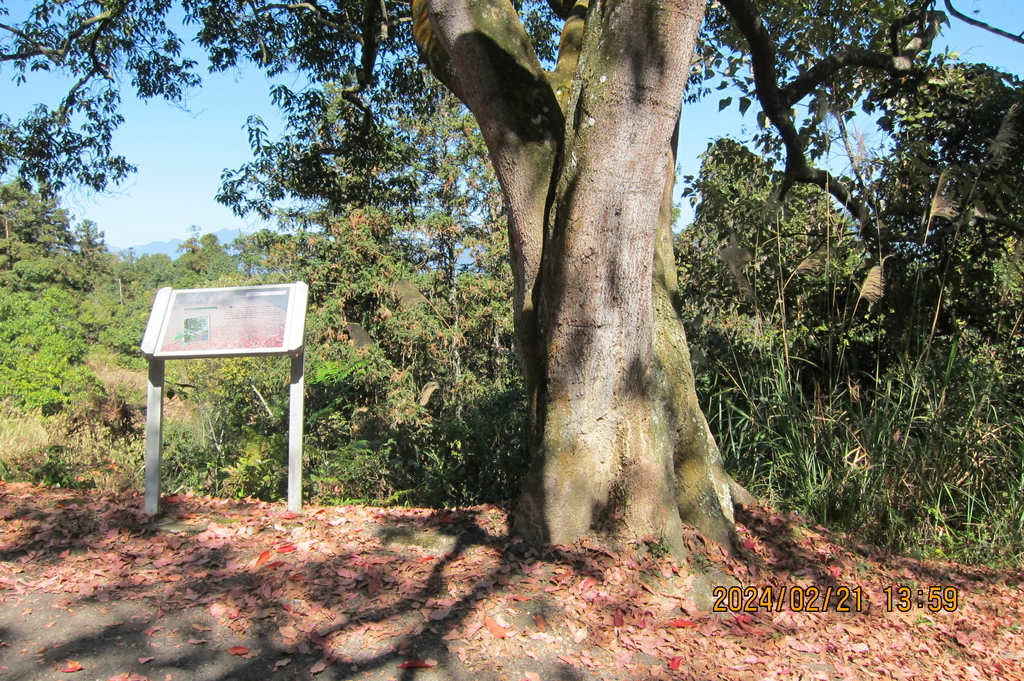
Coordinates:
744 105
724 103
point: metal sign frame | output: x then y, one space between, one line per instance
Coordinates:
238 321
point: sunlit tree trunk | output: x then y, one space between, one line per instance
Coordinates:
585 157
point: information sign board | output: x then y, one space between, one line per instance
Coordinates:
234 321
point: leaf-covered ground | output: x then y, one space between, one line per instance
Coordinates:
92 588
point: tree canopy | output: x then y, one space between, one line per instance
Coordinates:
348 138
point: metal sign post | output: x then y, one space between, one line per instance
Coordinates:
296 406
241 321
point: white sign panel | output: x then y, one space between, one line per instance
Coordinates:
212 322
225 322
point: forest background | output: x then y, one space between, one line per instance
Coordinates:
883 399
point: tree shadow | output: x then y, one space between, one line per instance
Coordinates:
114 590
790 545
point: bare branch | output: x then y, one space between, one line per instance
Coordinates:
1019 38
854 157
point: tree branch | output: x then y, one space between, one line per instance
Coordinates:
569 48
897 61
432 50
497 74
982 25
57 56
54 55
371 33
311 7
777 101
369 30
1012 225
777 108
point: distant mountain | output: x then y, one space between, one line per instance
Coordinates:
170 248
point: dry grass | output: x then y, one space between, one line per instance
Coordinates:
100 446
21 432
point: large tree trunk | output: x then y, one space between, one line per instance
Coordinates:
585 159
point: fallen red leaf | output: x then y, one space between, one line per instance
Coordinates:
681 623
264 557
618 619
415 663
285 549
756 631
441 613
238 650
675 662
539 621
144 660
497 631
275 564
426 559
288 515
69 666
319 666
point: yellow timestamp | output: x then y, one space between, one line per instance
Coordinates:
792 598
934 598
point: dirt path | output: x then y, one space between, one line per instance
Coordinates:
91 588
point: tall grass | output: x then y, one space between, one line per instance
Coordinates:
915 464
874 384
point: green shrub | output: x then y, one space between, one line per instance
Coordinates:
43 352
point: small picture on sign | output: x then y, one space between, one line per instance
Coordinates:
194 330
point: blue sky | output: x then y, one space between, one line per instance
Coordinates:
181 152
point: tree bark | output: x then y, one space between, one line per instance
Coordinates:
585 158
